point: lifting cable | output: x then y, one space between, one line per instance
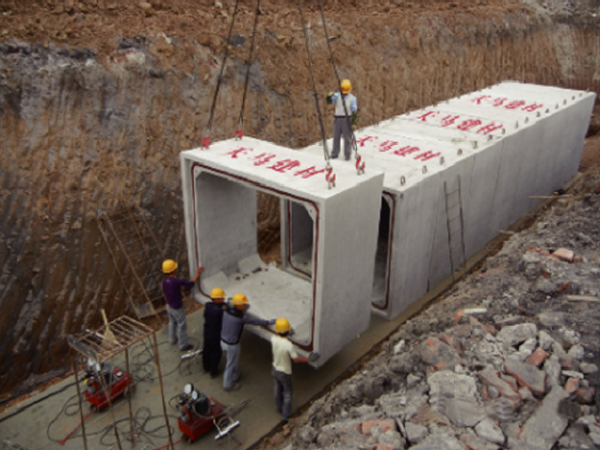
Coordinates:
360 166
206 139
239 133
329 176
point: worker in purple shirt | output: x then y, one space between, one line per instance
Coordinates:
171 288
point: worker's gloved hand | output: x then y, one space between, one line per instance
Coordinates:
313 356
272 321
329 98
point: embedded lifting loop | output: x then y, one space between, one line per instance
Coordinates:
205 141
459 152
424 169
329 176
402 180
517 124
526 119
474 144
239 133
538 114
442 160
360 166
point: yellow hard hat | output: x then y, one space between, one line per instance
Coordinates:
346 86
169 266
239 299
282 325
217 293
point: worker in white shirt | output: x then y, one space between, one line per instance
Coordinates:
346 118
283 355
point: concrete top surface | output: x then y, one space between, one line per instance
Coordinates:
271 165
419 144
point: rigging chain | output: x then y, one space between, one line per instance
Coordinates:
330 177
206 138
239 133
360 167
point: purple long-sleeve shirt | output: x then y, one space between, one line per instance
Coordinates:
172 290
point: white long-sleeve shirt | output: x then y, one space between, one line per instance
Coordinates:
350 101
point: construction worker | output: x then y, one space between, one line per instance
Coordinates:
283 355
234 320
171 288
346 115
213 321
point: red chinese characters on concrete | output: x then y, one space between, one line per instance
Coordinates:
284 165
396 148
270 161
459 122
503 102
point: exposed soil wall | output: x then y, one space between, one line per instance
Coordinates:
98 97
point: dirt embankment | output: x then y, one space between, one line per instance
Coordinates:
98 97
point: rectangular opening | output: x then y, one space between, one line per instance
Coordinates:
227 222
300 239
383 253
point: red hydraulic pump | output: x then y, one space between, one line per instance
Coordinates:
116 382
199 413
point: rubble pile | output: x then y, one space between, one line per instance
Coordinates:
509 359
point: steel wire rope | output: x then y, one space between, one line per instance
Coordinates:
206 140
249 63
337 76
312 75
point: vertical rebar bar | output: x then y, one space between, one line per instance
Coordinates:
162 392
100 376
129 392
80 405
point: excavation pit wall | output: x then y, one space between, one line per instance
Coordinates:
321 287
458 172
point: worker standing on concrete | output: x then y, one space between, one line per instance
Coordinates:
283 355
171 288
234 320
213 321
346 115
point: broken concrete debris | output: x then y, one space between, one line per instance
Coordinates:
458 399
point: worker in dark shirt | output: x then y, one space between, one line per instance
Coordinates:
213 319
234 320
171 287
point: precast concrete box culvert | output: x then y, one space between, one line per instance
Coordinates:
328 238
458 172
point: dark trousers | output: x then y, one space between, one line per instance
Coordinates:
211 356
283 393
341 128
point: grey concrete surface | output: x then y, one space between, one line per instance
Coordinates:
258 418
